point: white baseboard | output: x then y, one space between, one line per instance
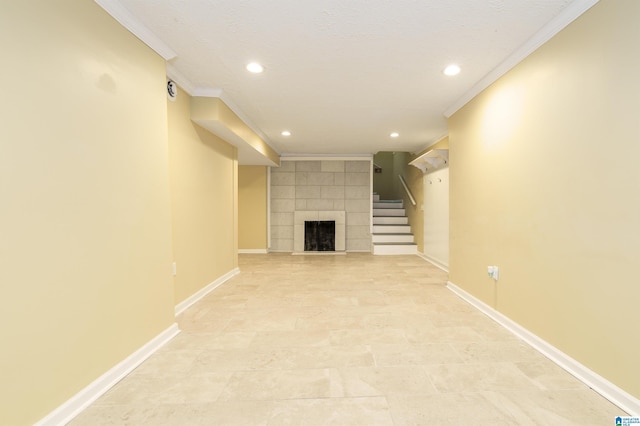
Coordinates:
182 306
434 261
253 251
77 403
608 390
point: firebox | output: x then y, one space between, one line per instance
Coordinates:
320 235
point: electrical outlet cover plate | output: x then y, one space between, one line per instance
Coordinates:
493 272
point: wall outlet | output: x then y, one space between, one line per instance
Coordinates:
492 271
174 268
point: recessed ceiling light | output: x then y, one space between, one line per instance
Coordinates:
452 69
394 134
255 68
286 133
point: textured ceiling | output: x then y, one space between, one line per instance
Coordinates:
341 75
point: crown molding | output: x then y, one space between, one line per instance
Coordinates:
182 81
207 92
553 27
137 28
326 157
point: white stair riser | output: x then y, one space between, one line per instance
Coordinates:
391 229
395 249
392 238
397 205
395 220
388 212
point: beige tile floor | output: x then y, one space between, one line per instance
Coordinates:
344 340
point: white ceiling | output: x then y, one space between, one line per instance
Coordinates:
341 75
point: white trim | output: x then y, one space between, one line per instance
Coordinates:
178 77
182 306
371 171
553 27
245 118
327 157
434 141
268 208
319 253
434 262
137 28
207 92
608 390
253 251
80 401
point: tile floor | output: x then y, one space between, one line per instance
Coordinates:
344 340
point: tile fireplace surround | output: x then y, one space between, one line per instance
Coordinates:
319 190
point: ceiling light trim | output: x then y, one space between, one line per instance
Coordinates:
553 27
255 67
137 28
452 70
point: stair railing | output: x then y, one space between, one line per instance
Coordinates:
407 190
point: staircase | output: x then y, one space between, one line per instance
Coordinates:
391 229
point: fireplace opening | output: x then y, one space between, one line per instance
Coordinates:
320 235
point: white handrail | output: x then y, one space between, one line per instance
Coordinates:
407 190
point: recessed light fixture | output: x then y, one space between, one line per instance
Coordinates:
255 68
286 133
394 134
452 69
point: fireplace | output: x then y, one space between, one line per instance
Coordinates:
319 235
330 224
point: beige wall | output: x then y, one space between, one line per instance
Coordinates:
85 228
252 208
203 171
545 184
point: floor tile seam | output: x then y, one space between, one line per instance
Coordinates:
471 361
373 356
345 397
146 403
488 363
457 352
187 374
533 385
291 369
